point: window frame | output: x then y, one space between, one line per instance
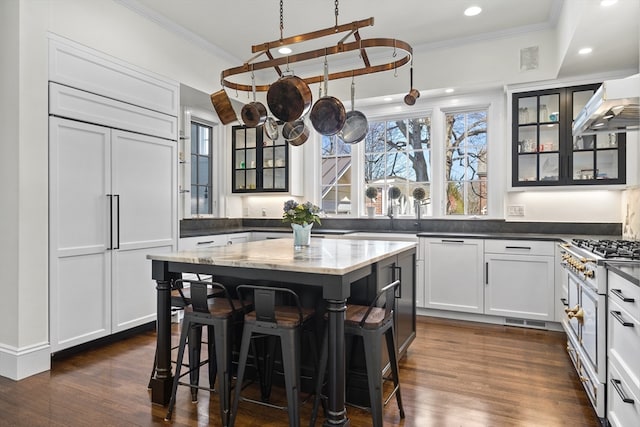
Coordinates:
211 157
493 100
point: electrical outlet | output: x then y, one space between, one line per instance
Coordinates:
515 210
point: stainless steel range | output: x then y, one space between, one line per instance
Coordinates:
586 309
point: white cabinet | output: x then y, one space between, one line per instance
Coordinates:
453 274
212 241
520 279
623 341
112 201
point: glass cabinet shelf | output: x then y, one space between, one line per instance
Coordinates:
259 163
544 152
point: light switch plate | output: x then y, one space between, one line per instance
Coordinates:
515 210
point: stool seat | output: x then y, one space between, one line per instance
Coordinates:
357 313
285 316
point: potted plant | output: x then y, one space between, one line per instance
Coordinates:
419 194
301 216
371 193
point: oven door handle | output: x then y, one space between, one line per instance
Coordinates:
618 293
618 316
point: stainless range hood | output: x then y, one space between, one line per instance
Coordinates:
613 108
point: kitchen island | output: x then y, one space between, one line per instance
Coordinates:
333 267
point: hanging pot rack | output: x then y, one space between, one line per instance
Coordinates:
359 44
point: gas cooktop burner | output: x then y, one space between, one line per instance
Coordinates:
627 249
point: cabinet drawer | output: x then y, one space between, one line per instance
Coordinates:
623 407
521 247
625 293
624 339
190 243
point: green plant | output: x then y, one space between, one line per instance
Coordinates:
371 193
300 213
394 193
419 194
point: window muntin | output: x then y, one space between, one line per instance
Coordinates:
397 154
466 163
201 169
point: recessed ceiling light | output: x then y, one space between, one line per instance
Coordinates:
472 11
285 50
606 3
450 90
585 51
387 99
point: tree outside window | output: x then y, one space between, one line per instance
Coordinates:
397 154
466 163
336 176
201 167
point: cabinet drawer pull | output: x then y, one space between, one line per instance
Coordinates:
526 248
616 385
452 241
206 243
564 302
618 316
618 293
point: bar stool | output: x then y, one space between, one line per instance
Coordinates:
181 298
219 314
371 323
272 320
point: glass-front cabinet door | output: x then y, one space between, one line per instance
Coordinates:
259 163
544 150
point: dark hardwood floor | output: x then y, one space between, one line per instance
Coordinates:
455 374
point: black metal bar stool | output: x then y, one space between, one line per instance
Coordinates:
272 320
219 315
181 298
371 323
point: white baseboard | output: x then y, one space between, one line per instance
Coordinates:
495 320
20 363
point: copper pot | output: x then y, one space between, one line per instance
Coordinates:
222 105
411 97
289 98
254 114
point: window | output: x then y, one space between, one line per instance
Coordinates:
397 154
466 163
201 168
336 176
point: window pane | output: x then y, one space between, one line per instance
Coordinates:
204 140
336 176
466 163
397 154
203 170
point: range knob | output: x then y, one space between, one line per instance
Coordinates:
589 274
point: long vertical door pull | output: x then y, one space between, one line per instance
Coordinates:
110 196
117 196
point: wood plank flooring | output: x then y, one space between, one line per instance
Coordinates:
455 374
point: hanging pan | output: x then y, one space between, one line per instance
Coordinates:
414 94
271 128
254 113
296 132
289 98
222 105
356 126
328 114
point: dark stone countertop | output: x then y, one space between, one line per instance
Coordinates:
625 269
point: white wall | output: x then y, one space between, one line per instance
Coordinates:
99 24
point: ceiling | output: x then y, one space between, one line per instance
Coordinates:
230 28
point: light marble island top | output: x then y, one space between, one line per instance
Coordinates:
323 256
